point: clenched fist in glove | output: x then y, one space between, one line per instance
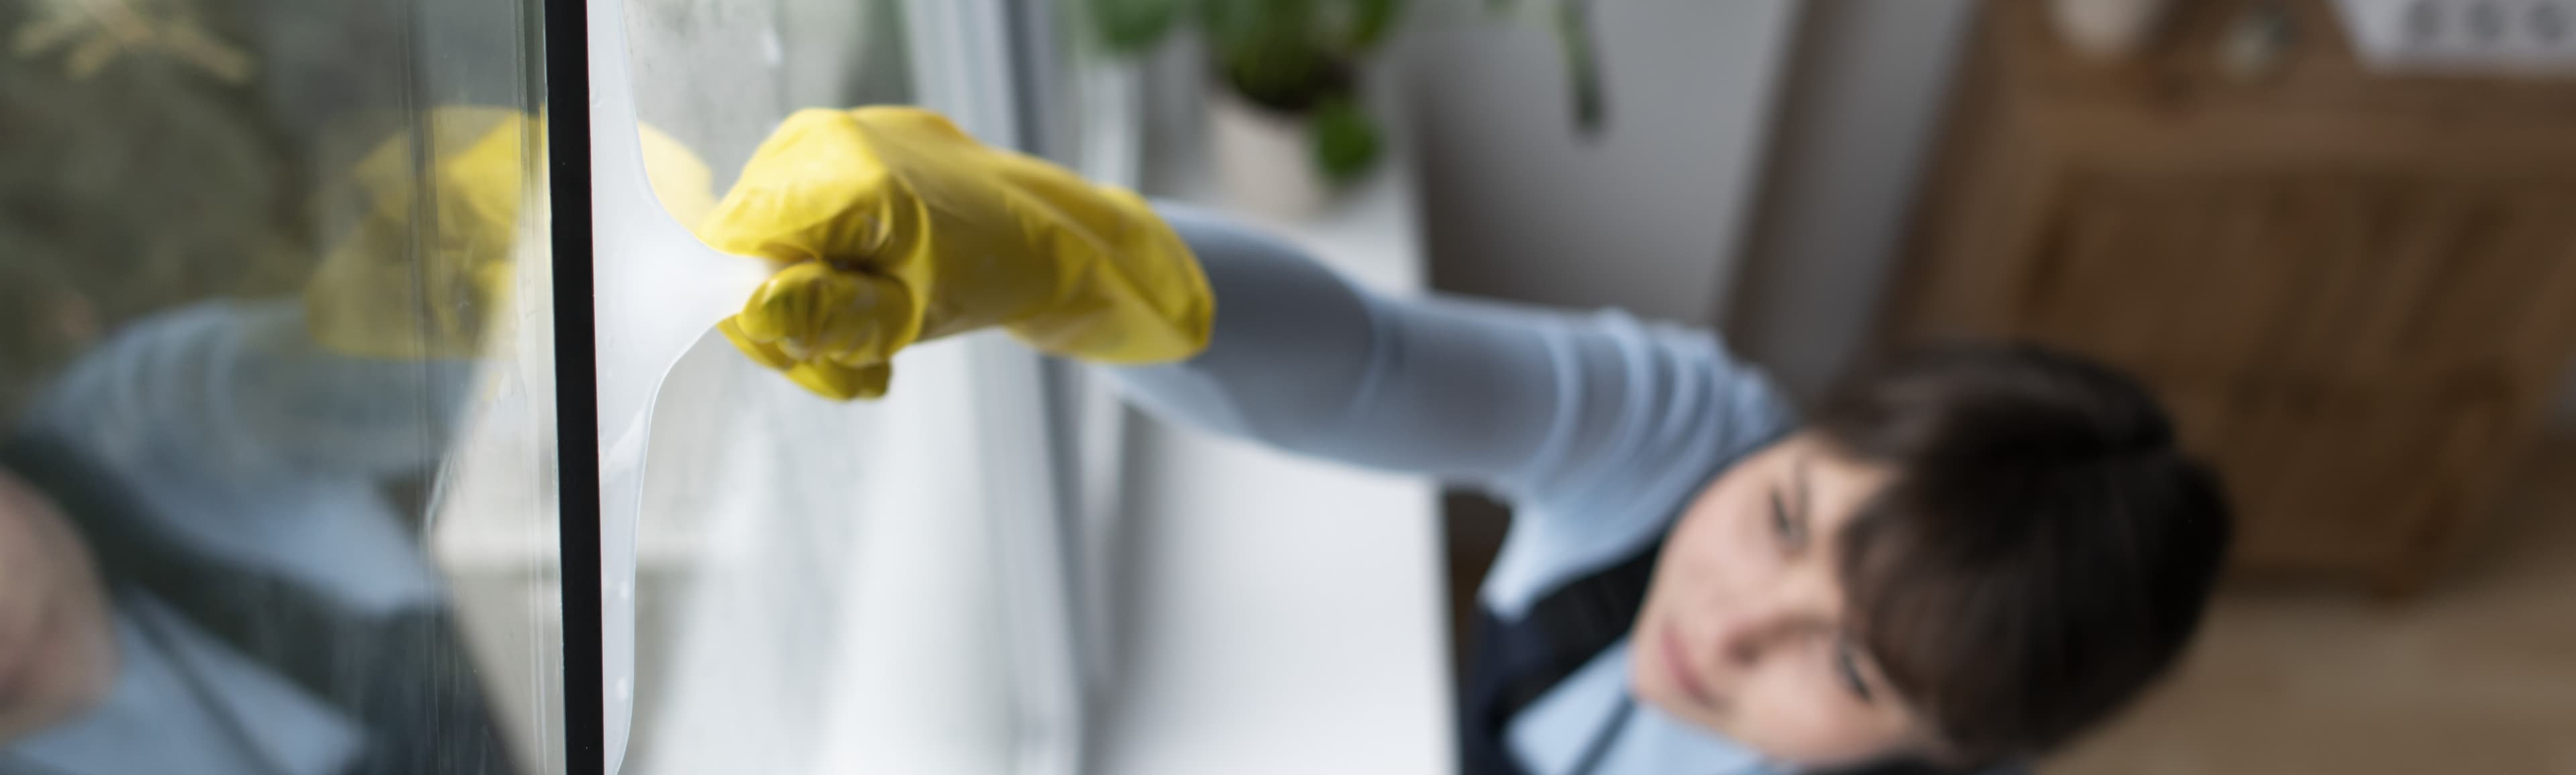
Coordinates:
890 226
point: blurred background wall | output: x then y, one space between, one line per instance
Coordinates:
1758 171
1866 88
1648 213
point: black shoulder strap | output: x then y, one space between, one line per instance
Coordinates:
1518 661
1902 767
1577 622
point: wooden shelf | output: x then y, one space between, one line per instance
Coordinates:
2355 290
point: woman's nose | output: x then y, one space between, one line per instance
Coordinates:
1784 609
1744 634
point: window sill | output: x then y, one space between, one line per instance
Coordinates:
1283 614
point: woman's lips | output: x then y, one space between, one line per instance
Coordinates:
1677 664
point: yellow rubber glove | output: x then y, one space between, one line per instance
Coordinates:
891 227
368 298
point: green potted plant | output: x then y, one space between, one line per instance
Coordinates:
1285 119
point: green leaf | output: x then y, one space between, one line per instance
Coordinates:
1369 21
1578 42
1131 27
1346 143
1292 55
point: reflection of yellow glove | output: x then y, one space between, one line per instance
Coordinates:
375 296
891 227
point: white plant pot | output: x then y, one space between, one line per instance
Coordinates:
1265 160
2107 29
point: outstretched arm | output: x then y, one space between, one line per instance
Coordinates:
1534 405
891 227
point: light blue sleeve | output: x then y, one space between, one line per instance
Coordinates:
1554 411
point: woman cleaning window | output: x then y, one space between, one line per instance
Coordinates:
1966 557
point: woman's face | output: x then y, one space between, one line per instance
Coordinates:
1743 630
57 650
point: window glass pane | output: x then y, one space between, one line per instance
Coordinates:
276 492
815 580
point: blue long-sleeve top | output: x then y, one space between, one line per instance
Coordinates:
1597 428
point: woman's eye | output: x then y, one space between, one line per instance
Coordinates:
1848 668
1783 526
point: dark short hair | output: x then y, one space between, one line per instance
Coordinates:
2042 552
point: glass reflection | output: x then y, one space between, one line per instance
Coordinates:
208 567
263 345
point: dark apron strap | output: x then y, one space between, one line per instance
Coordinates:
1517 661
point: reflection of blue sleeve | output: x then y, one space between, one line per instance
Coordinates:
245 383
230 426
1596 426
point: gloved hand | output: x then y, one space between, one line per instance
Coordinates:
368 299
890 226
